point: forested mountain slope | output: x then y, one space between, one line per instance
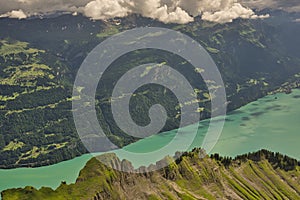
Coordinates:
39 59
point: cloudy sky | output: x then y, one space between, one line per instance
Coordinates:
168 11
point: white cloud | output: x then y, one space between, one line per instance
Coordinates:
297 20
171 11
228 14
168 11
19 14
104 9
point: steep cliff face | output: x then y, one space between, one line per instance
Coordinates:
253 176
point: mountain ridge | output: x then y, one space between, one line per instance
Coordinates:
258 175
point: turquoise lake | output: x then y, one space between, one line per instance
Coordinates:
272 123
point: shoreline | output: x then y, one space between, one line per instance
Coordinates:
286 88
53 175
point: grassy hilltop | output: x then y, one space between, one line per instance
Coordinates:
260 175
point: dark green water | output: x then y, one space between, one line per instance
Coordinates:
267 123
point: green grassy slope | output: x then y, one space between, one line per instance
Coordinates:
35 107
253 176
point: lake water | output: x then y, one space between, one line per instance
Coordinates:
272 123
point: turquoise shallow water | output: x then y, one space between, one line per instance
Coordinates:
272 123
269 123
